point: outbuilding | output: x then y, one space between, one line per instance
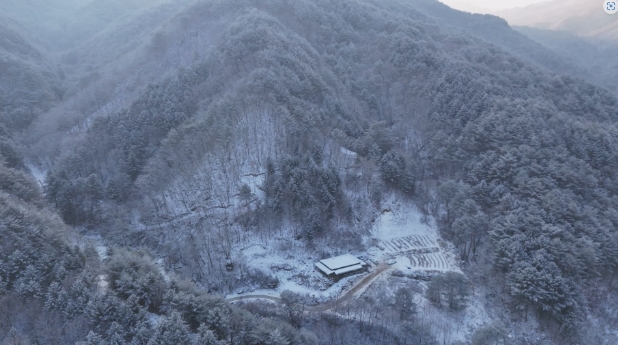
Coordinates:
340 266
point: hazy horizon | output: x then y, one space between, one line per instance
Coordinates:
486 6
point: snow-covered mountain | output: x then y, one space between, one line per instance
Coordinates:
581 17
223 147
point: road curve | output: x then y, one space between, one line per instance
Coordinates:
346 297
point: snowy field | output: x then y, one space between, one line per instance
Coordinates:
293 265
400 238
399 219
412 242
409 244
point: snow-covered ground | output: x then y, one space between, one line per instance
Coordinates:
400 219
450 327
97 242
398 234
293 265
401 238
405 236
37 173
102 249
254 181
446 326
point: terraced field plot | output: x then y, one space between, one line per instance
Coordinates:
410 243
431 261
423 252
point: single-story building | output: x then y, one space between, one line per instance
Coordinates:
341 266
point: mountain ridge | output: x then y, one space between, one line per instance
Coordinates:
241 131
583 18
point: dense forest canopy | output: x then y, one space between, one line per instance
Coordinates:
332 107
53 291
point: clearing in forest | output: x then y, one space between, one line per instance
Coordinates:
401 233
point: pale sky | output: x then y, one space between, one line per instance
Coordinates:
484 6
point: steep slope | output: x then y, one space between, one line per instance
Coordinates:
56 289
594 57
290 124
109 70
558 51
91 46
62 25
496 31
28 84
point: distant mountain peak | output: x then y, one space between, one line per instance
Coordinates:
581 17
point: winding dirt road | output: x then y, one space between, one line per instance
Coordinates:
341 300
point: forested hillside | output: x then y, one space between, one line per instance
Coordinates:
28 82
593 56
55 288
217 126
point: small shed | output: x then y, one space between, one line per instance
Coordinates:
340 266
